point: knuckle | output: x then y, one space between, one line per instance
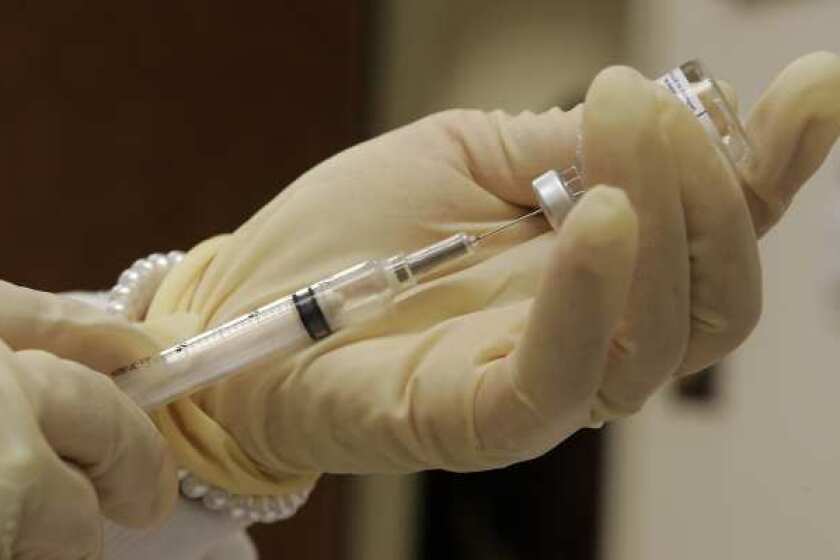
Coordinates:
454 125
25 463
672 353
609 407
618 85
730 327
522 435
664 353
36 492
824 62
160 493
76 383
622 86
618 75
144 459
622 349
767 208
36 362
453 119
85 527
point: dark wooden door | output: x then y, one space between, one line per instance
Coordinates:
130 127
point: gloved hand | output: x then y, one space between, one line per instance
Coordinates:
73 446
475 371
499 361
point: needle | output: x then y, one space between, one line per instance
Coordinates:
503 227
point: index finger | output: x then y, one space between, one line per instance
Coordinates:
70 329
793 127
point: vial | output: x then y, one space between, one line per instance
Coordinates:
691 83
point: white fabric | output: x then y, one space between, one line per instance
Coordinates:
192 532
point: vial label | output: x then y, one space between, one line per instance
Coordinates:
678 85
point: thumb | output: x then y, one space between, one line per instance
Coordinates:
794 126
75 331
542 392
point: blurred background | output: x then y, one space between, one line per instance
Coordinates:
127 128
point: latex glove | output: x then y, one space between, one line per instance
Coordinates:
73 446
474 372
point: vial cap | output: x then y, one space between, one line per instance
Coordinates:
553 196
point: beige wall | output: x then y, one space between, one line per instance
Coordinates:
490 54
756 476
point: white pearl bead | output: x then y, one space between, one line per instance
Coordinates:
253 506
216 499
283 509
115 307
236 507
142 266
270 517
296 500
158 260
263 509
128 277
193 488
121 291
130 298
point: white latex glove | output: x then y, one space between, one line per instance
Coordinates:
73 446
498 361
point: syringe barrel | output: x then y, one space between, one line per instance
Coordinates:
274 330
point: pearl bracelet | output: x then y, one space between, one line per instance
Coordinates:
131 297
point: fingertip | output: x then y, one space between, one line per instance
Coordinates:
821 62
794 126
115 443
808 87
617 86
621 115
614 77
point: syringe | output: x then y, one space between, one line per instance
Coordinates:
358 294
366 291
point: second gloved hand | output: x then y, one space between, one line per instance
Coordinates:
73 448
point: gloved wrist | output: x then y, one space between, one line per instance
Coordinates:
131 297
